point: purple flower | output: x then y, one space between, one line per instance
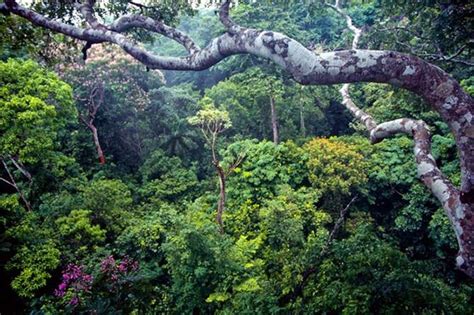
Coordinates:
107 264
75 280
74 301
116 269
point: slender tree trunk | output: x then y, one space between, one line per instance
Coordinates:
302 124
222 195
274 119
95 135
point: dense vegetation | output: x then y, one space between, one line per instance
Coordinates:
314 220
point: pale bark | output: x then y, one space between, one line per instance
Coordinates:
302 123
274 121
440 90
210 131
222 195
92 108
98 147
222 177
428 171
12 182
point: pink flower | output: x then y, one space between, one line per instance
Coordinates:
75 279
74 301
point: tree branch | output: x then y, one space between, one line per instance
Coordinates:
337 227
429 173
225 19
127 22
13 183
19 166
86 8
440 56
298 290
7 182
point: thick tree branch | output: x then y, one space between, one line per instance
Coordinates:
87 10
441 187
429 173
225 19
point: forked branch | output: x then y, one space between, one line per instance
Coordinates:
440 186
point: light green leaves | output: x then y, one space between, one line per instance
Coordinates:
34 106
210 119
36 263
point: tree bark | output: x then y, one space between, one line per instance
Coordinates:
92 108
448 195
12 182
302 123
222 195
100 153
274 120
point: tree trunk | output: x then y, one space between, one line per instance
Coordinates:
302 124
222 195
95 135
274 120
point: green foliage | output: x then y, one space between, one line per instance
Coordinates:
210 119
153 205
166 178
119 119
166 121
369 275
334 166
110 202
430 29
440 232
34 105
36 262
77 229
266 167
246 96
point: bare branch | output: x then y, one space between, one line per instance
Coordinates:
21 168
13 183
337 226
87 10
130 21
225 19
421 52
7 182
240 158
357 31
139 5
358 113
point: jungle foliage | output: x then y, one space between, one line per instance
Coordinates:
138 234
